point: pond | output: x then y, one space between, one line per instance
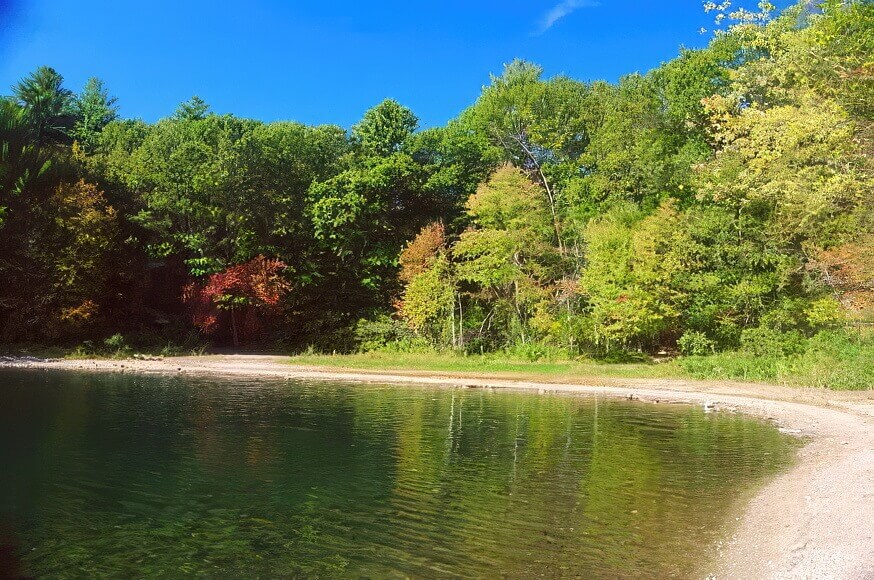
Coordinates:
122 475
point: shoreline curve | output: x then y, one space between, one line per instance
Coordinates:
815 520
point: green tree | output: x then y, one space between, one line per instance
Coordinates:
631 280
508 253
795 165
60 262
219 190
541 127
428 303
194 109
93 109
22 162
384 128
361 218
48 105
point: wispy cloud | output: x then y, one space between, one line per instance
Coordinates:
559 11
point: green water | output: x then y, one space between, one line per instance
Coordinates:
117 475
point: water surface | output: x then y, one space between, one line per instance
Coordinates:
133 475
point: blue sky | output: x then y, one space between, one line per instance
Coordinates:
329 61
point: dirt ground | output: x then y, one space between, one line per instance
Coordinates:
814 521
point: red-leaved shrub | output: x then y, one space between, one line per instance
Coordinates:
241 296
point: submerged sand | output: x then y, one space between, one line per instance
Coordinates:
815 520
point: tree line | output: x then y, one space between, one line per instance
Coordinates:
722 200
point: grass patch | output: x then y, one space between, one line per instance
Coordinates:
493 364
834 360
838 360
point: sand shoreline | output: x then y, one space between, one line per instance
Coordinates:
814 521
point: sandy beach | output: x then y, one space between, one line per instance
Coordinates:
814 521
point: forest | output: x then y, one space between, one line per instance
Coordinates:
719 207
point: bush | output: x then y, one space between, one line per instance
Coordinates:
695 343
382 333
533 352
116 343
767 342
413 344
825 312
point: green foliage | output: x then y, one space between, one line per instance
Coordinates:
721 202
731 366
530 119
834 360
93 109
795 166
694 343
631 281
209 182
59 257
383 333
429 299
194 109
549 362
630 155
767 342
47 104
537 351
842 360
508 256
510 202
22 162
385 128
194 177
693 76
824 312
117 345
